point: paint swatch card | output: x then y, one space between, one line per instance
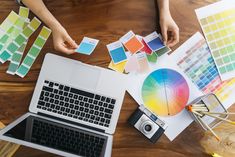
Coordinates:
131 42
117 52
8 22
146 48
132 64
217 21
16 59
154 41
19 40
117 67
87 46
152 57
143 63
162 51
33 52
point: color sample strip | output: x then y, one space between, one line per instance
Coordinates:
154 41
12 33
24 12
33 52
145 49
132 64
217 22
152 57
87 46
143 63
15 59
162 51
195 59
8 22
20 39
117 67
117 52
130 41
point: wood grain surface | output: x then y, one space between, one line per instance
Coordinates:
106 20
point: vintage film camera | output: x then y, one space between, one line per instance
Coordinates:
147 123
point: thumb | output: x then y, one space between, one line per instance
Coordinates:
71 42
164 35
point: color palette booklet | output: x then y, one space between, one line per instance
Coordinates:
217 21
142 87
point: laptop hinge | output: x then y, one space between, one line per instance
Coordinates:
71 122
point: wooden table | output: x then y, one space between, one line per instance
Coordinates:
106 20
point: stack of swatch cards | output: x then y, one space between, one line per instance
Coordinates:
134 53
15 32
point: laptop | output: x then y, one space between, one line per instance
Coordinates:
73 112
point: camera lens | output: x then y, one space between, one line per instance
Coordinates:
148 128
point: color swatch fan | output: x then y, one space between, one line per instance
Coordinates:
165 92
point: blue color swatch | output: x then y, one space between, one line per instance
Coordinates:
155 44
85 48
118 55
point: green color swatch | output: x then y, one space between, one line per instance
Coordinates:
19 40
33 52
163 51
24 12
15 59
152 58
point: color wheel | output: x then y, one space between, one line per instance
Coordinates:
165 92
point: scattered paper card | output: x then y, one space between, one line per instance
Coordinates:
143 62
162 51
117 52
87 46
154 41
132 64
131 42
117 67
152 57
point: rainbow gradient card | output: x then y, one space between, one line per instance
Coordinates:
165 92
218 24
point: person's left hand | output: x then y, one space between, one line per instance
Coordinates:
169 29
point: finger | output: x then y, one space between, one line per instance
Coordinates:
175 38
63 48
164 35
71 42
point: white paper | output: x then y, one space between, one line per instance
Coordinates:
176 124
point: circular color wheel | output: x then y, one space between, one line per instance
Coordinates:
165 92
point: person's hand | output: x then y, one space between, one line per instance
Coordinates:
62 41
169 29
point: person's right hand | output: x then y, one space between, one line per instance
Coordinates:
62 41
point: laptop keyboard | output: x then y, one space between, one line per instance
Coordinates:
65 139
75 103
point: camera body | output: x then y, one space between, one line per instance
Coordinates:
147 123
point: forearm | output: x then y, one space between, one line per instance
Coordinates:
163 6
39 9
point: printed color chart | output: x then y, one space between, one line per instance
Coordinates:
218 23
195 60
165 92
33 52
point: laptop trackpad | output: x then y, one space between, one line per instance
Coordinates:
85 77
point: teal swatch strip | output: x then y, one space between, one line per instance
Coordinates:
16 59
33 52
19 40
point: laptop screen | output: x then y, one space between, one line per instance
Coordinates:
58 136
